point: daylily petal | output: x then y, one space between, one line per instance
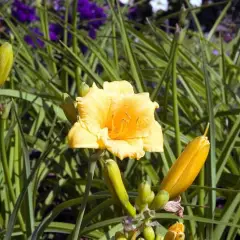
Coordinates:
118 88
131 117
93 109
129 148
154 141
80 137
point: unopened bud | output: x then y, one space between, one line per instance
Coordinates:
120 236
160 200
148 233
68 106
84 89
6 61
186 168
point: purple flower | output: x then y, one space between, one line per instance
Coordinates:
92 12
23 12
55 31
92 33
58 5
33 39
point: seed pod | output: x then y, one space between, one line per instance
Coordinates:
6 61
160 200
115 179
148 233
175 232
186 168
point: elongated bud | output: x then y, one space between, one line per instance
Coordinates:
148 233
120 236
115 179
84 89
6 61
110 187
186 168
160 200
175 232
68 106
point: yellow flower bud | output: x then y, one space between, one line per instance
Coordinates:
160 200
6 61
175 232
186 168
148 233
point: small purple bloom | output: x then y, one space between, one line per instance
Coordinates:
33 39
92 33
58 5
92 12
215 52
23 12
55 31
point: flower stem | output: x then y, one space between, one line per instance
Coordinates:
91 169
174 92
4 162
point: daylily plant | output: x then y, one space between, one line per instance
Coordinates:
117 119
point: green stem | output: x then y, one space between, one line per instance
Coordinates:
175 98
201 202
75 46
6 172
65 40
91 169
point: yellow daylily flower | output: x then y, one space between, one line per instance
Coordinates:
117 119
175 232
6 61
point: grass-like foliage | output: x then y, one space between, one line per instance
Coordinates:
42 181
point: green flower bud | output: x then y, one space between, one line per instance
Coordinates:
6 61
160 200
150 198
148 233
120 236
144 190
84 89
115 184
68 106
140 206
159 237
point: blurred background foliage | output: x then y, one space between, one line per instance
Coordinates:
192 71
